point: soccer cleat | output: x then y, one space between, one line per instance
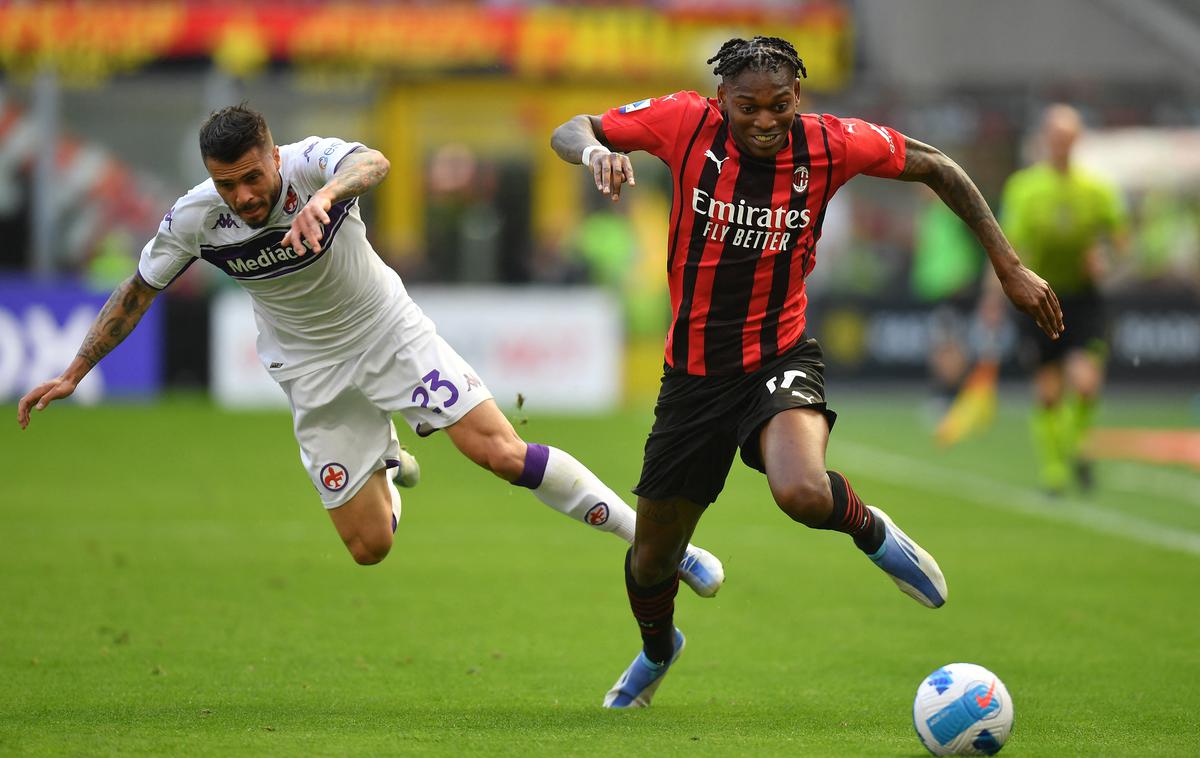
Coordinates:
409 472
913 570
637 685
702 571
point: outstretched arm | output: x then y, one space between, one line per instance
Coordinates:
609 169
358 172
1028 291
115 321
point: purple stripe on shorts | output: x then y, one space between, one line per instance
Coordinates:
391 463
536 457
395 523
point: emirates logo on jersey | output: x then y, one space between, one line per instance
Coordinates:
750 226
800 179
291 202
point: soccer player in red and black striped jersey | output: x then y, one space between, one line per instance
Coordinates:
752 179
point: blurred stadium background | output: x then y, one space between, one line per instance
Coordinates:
100 103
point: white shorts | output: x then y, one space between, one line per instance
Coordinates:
343 413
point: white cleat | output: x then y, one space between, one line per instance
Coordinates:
409 472
913 570
639 682
702 571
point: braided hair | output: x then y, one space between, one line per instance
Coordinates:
757 54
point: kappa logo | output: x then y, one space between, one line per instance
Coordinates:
597 514
308 150
225 221
709 154
800 179
167 219
292 202
333 476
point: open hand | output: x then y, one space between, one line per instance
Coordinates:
611 170
1034 297
41 396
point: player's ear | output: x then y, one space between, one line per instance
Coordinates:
721 95
275 155
796 91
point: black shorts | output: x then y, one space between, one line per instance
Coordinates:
1083 315
701 421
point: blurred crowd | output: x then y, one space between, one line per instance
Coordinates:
880 239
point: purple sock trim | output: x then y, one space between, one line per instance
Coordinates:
395 523
536 457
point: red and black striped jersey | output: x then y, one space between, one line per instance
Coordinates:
744 230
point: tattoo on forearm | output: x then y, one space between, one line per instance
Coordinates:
116 320
945 177
357 174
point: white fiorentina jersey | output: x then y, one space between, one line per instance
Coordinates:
313 310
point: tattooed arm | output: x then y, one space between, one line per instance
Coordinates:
1027 291
115 321
609 170
359 171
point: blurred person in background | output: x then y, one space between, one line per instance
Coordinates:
1059 219
753 177
340 335
945 270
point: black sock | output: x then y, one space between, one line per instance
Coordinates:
654 609
851 516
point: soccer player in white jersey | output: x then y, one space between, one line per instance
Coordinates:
340 335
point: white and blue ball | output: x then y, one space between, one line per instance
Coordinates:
963 709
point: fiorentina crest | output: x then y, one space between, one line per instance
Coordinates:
291 202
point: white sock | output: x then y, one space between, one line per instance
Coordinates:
395 505
567 486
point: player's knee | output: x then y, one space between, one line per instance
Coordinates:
807 500
652 564
367 550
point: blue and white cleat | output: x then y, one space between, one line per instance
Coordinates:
702 571
637 685
409 472
913 570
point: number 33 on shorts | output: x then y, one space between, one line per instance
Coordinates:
431 391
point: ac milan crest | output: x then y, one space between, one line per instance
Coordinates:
800 179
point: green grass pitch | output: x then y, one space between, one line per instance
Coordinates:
169 585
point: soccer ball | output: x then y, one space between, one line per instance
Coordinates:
962 709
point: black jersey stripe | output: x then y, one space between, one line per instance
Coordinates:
680 197
816 235
696 244
733 283
781 270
